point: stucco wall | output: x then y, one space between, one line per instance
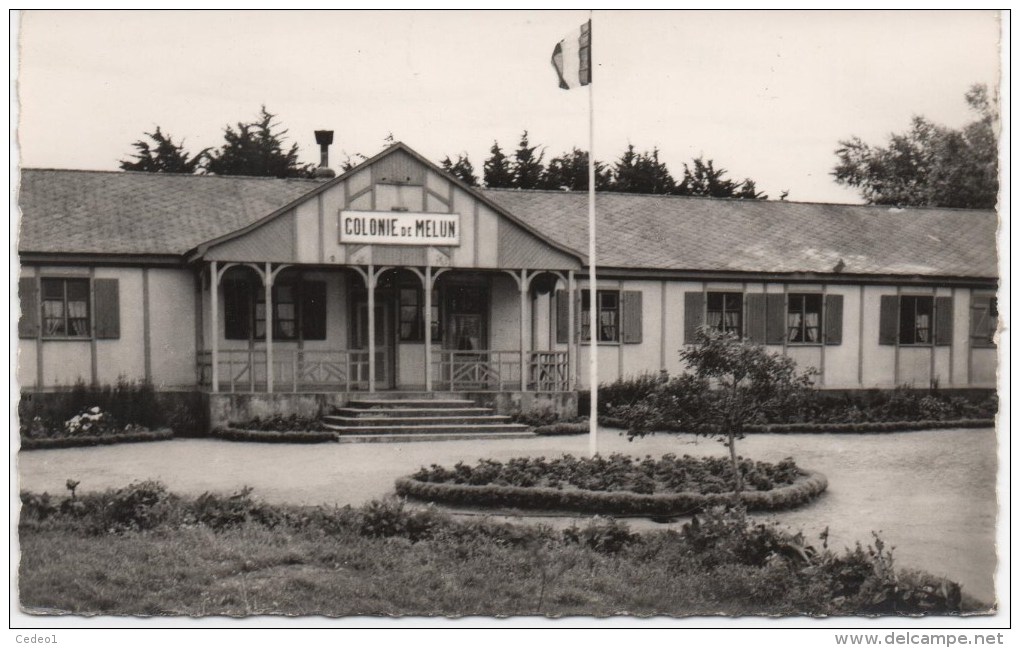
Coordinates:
859 361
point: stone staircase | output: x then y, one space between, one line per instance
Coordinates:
400 417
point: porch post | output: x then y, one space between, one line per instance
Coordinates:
427 284
524 295
370 281
268 281
214 280
571 334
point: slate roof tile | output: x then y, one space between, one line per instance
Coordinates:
96 212
710 234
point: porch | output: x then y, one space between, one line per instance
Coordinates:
300 328
347 370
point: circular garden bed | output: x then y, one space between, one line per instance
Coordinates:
614 485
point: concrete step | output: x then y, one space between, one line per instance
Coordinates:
361 421
404 403
404 438
411 412
482 429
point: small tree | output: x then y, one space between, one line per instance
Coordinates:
527 166
462 169
162 155
257 149
496 170
730 384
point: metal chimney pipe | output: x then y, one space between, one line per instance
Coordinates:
324 138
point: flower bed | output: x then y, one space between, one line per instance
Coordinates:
617 485
274 436
134 436
90 427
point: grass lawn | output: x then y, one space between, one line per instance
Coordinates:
254 570
142 551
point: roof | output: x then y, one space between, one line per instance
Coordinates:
116 212
730 235
113 212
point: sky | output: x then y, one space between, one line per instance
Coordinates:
766 95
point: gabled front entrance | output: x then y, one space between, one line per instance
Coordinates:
393 276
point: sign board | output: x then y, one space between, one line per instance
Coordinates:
399 228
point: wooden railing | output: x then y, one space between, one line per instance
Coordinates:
244 370
500 370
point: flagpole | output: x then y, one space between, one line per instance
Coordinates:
593 323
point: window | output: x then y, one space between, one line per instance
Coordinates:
916 319
608 308
299 310
804 319
411 324
725 312
65 307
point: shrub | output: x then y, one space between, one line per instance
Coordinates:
626 391
223 512
390 518
281 423
562 429
274 436
604 535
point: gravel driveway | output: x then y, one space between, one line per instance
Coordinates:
931 494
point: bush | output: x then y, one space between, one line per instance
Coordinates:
626 391
390 518
273 436
678 399
604 535
31 443
562 429
281 423
224 512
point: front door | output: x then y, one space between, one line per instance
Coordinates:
384 343
465 335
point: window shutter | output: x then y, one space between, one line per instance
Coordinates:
756 315
632 316
107 295
694 315
237 310
28 325
562 316
833 319
981 322
943 321
888 319
775 318
313 310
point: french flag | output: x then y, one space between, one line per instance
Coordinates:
572 58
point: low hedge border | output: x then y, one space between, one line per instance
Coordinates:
274 436
164 434
562 429
871 426
805 489
841 428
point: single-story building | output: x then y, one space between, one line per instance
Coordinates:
397 276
